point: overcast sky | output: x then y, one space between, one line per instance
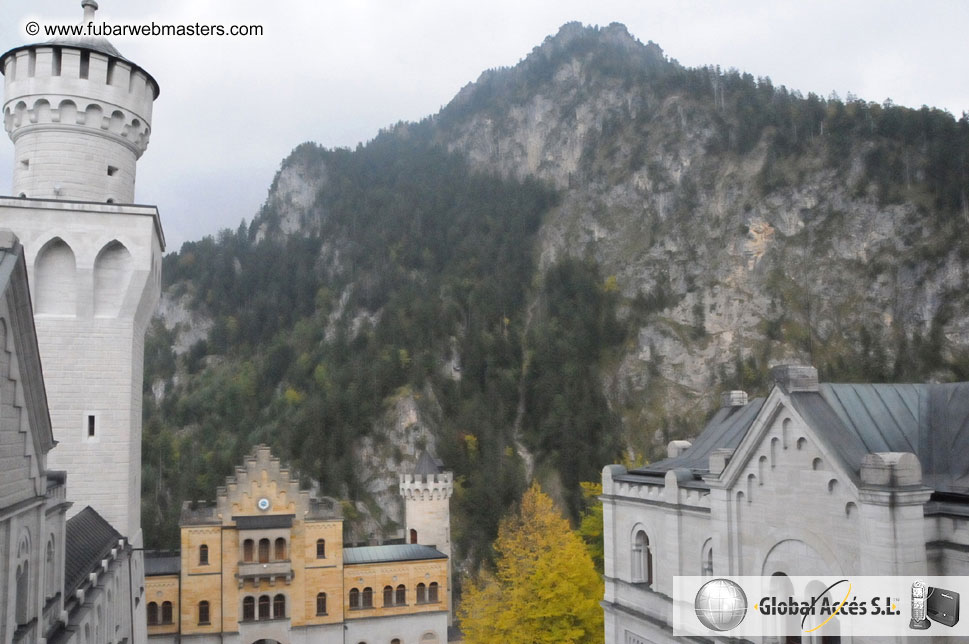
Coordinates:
336 71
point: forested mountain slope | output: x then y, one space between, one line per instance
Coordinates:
562 268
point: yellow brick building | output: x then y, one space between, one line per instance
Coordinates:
266 563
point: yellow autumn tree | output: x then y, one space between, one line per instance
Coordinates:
544 589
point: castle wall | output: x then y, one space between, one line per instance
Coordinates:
94 272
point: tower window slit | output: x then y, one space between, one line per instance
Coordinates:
85 63
90 426
112 171
55 69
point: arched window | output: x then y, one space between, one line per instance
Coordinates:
279 606
263 550
152 614
706 558
23 596
248 609
367 598
354 598
247 550
204 612
112 273
50 570
280 549
401 597
421 593
388 596
166 616
203 555
642 560
321 548
413 535
321 603
55 287
432 593
395 641
264 607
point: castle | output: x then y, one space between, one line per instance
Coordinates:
79 115
266 563
80 276
814 479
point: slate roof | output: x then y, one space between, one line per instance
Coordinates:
88 540
929 420
725 430
427 464
162 563
399 552
263 521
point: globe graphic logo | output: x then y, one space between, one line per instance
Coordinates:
720 605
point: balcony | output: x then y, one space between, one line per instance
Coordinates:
271 570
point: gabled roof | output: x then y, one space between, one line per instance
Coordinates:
928 420
726 429
89 539
14 286
398 552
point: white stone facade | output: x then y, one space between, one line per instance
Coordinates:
95 276
782 500
37 602
79 120
427 516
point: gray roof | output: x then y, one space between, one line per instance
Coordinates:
725 430
427 464
92 43
88 540
929 420
264 521
399 552
162 563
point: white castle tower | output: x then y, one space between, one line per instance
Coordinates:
79 115
427 496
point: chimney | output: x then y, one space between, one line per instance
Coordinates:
795 378
735 398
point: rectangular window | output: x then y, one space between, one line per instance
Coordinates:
111 66
112 171
90 426
32 63
55 68
85 63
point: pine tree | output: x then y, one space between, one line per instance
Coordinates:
544 589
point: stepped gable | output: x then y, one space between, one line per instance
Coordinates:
260 476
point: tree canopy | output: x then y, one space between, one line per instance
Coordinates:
544 588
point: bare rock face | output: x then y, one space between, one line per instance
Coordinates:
751 247
394 447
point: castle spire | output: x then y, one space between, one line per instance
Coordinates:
89 6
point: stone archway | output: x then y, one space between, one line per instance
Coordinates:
798 559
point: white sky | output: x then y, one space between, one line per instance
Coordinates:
336 71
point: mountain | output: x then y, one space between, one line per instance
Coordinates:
561 269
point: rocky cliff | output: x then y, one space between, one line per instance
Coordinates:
724 224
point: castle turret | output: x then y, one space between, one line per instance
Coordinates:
79 115
427 493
